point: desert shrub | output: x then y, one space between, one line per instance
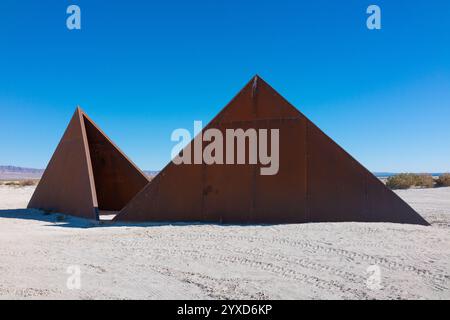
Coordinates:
400 181
21 183
26 183
424 181
408 180
444 180
11 183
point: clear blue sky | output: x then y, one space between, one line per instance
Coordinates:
141 69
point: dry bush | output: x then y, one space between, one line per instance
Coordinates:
409 180
21 183
424 180
444 180
11 183
400 181
26 183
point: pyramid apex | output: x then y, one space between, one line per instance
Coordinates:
79 110
256 77
256 80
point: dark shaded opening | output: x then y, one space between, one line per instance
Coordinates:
116 179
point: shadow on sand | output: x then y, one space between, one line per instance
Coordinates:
66 221
54 219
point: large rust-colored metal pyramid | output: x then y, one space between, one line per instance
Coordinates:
87 173
317 180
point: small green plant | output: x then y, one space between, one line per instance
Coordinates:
409 180
443 180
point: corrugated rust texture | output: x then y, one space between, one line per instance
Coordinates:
317 180
87 171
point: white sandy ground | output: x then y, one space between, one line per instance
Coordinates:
303 261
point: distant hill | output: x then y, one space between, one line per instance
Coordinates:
19 173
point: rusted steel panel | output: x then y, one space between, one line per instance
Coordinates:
231 193
67 185
256 101
179 193
87 171
281 198
317 180
335 177
225 182
352 193
386 206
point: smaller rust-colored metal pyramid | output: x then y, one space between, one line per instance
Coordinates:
317 180
87 173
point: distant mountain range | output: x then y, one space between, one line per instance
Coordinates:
19 173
